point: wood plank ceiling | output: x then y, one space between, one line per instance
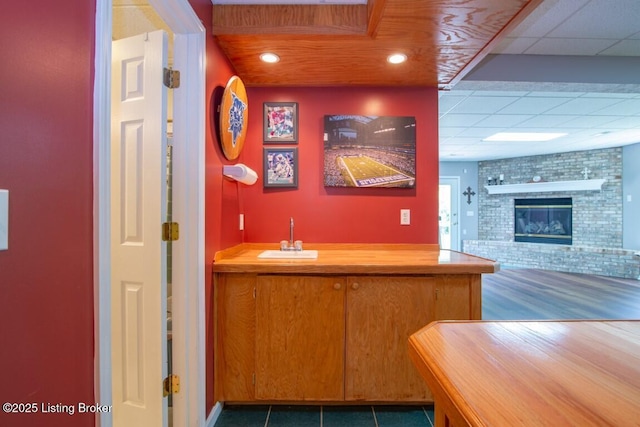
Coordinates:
339 45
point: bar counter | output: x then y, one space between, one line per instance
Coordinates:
355 259
531 373
334 329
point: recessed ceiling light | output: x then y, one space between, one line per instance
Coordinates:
396 58
269 57
524 136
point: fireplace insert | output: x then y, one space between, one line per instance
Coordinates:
543 220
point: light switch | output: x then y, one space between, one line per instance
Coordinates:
4 220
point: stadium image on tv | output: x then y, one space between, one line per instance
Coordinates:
369 151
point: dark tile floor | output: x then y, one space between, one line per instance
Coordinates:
326 416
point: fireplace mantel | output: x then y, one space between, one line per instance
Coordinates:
543 187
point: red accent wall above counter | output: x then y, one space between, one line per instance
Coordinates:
342 215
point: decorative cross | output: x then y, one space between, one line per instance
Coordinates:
585 173
469 193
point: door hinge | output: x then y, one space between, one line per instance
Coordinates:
171 78
171 385
170 231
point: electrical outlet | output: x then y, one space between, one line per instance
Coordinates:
241 222
405 217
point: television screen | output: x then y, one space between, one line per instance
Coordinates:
369 151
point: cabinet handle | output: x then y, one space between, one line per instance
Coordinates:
337 286
355 286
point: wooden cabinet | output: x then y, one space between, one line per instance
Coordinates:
382 312
299 343
234 337
329 338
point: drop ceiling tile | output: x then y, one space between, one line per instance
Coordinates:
569 46
623 48
582 106
623 123
621 17
480 133
446 103
546 17
533 105
564 94
483 104
503 120
446 132
459 141
629 107
589 121
461 120
546 120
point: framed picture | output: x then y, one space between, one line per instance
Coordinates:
280 167
280 122
369 151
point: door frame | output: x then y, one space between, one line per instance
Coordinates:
188 209
454 181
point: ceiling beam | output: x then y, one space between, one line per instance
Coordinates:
326 19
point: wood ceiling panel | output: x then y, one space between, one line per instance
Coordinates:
335 45
290 19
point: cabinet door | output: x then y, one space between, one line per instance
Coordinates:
235 317
458 297
382 312
299 338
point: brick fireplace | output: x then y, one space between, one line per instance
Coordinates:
596 227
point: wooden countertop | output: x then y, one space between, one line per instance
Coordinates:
354 259
544 373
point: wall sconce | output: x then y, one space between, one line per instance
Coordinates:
240 173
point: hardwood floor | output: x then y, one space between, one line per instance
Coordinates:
526 294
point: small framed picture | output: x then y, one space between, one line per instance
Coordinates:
280 167
280 122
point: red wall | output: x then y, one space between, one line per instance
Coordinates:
337 215
221 196
46 163
321 215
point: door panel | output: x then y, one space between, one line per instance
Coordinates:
299 338
382 312
138 208
454 298
448 213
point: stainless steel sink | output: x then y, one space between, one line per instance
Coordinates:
277 254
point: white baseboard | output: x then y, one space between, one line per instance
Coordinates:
214 414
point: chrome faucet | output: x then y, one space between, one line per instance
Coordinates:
291 245
291 233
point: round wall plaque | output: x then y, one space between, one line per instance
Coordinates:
234 116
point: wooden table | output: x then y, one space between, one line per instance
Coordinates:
531 373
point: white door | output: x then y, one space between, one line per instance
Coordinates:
448 220
138 208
